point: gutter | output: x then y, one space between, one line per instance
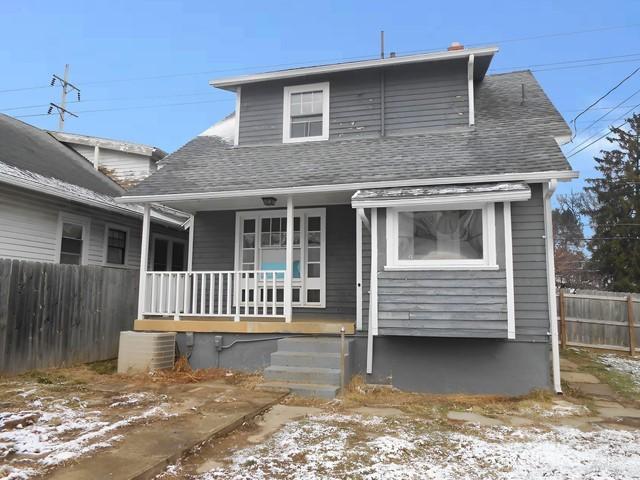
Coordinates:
548 190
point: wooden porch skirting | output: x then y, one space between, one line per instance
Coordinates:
301 324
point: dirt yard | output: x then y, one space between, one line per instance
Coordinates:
379 433
50 419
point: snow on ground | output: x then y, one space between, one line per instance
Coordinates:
51 431
627 365
354 446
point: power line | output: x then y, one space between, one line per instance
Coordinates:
611 90
596 140
362 57
563 62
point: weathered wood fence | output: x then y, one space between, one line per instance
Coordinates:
55 315
599 320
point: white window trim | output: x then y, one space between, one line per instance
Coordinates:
488 262
86 234
169 259
105 252
299 282
286 120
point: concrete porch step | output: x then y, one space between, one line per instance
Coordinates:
322 376
313 344
306 359
312 390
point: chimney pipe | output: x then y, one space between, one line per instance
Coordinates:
455 46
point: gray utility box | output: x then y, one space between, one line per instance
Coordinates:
146 351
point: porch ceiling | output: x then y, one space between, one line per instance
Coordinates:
255 202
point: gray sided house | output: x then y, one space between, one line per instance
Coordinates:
55 207
404 201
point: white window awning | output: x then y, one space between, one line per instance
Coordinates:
441 195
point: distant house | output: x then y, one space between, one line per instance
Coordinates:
125 162
56 207
404 201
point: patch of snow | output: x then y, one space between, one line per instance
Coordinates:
130 399
628 365
327 446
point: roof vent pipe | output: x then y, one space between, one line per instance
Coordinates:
455 46
392 55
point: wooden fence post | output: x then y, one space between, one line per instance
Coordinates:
632 331
563 320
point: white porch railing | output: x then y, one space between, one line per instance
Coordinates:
235 294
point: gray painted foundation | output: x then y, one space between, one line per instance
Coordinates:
420 364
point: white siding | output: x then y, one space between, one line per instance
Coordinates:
29 227
127 166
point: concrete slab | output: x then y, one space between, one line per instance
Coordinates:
619 412
278 416
475 418
601 390
379 411
607 404
579 377
147 449
516 421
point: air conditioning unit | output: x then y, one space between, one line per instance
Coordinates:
146 351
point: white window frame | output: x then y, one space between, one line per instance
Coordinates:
488 262
169 259
64 217
127 230
286 120
301 282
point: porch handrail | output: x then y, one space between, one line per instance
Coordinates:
214 293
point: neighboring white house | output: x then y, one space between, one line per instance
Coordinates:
56 208
126 162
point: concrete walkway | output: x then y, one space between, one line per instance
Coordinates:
212 410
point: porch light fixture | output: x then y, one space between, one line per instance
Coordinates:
269 201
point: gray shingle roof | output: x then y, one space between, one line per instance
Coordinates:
29 148
509 137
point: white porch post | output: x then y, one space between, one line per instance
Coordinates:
192 222
144 259
373 290
508 262
288 277
359 269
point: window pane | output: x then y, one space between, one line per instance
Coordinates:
296 224
314 224
313 296
275 225
248 240
314 238
314 254
295 294
247 255
440 235
72 230
298 130
70 245
315 129
69 259
266 225
115 256
313 270
249 226
265 239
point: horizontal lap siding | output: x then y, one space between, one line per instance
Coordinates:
30 227
529 268
125 165
417 98
426 96
442 303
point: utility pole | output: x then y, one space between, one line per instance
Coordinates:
66 88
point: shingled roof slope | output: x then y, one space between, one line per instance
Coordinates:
29 148
510 136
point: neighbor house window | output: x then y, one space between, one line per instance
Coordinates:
168 254
306 113
116 246
72 243
442 238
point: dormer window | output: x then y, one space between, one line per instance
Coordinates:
306 113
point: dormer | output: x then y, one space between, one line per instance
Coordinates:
399 95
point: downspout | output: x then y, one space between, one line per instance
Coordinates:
548 190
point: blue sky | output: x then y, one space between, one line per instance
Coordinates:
113 47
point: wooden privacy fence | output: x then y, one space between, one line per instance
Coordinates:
55 315
600 320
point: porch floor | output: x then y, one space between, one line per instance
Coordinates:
300 324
